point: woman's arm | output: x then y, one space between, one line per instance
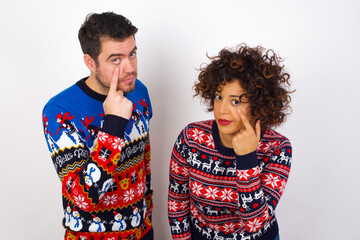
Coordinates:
178 195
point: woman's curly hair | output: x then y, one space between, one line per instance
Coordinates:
259 73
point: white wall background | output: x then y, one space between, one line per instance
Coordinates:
40 56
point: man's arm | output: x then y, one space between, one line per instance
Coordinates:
87 176
149 191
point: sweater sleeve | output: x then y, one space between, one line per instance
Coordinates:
260 190
148 189
178 194
86 174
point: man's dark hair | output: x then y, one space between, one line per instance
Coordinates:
103 25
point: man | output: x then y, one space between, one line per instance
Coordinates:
98 134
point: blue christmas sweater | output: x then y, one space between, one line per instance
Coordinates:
216 194
103 162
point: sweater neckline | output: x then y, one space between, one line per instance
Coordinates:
218 145
88 91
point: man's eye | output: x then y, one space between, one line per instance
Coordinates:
116 61
133 55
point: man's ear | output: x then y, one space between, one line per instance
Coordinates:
90 62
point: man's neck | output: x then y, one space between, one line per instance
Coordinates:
94 85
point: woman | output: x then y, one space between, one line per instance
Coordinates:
227 175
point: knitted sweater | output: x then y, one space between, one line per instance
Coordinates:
216 194
103 162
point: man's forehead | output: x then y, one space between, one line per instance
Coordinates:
117 46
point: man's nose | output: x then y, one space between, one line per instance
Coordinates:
129 65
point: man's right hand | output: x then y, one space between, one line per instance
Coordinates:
116 103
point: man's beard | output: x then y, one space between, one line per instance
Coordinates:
100 78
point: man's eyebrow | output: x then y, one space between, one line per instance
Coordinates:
120 54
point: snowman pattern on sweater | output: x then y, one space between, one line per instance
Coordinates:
76 222
135 218
97 225
119 224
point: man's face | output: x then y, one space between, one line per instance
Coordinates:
121 54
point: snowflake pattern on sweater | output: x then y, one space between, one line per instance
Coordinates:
215 194
103 162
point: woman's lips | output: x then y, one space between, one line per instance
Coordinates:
224 122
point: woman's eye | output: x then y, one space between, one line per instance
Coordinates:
235 102
217 97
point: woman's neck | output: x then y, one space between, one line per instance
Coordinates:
226 140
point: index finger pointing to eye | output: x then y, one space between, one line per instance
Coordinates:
114 80
235 115
244 120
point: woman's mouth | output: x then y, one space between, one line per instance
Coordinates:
224 122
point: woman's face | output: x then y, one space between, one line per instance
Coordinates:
226 106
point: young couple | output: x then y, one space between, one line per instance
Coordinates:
226 174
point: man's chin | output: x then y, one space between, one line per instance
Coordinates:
128 88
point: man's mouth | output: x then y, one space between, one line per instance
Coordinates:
128 79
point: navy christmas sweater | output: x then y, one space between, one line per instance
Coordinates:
216 194
103 162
